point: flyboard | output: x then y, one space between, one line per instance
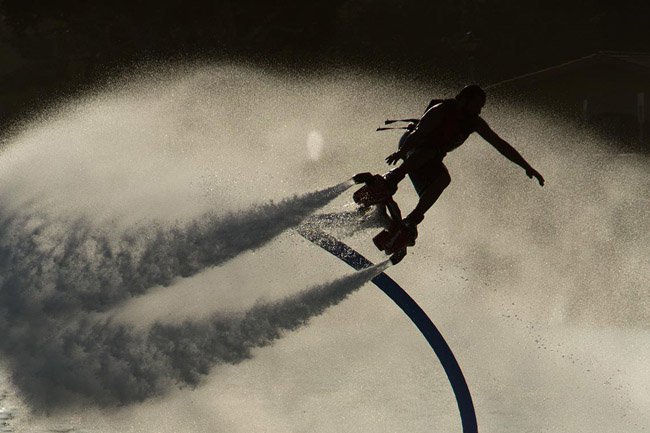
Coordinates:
376 191
419 318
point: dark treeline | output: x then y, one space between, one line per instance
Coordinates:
52 46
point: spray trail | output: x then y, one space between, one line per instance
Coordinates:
58 362
347 223
67 266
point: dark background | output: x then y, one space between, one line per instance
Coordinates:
54 48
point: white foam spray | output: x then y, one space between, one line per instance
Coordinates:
59 361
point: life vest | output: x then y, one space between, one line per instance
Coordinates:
454 130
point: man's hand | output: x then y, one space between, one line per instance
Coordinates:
393 158
531 172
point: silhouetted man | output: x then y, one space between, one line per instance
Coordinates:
444 127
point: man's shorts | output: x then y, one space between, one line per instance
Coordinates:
427 174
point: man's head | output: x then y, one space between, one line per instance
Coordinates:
471 99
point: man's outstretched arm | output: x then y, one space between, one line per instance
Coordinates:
506 149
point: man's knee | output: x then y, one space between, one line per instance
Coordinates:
443 180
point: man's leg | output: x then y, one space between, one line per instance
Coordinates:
429 182
412 163
429 196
